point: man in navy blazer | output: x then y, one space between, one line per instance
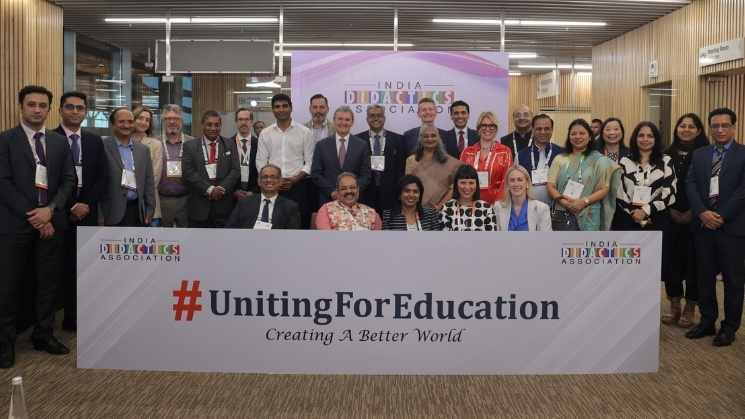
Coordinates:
254 212
537 158
91 169
716 192
380 193
327 157
246 145
427 112
210 175
36 179
459 114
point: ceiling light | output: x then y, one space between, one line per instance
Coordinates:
515 73
264 84
560 66
523 55
284 54
194 20
254 91
345 44
512 22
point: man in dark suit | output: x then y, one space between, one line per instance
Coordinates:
340 153
129 198
266 210
460 137
36 179
538 157
246 144
427 112
91 169
388 160
210 168
716 192
522 136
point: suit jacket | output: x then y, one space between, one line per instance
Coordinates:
285 214
331 127
450 140
253 171
114 199
395 167
731 200
523 156
411 139
95 175
18 193
194 174
509 141
326 169
539 216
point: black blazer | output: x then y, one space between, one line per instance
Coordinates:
326 169
395 167
285 214
450 140
18 194
95 175
253 171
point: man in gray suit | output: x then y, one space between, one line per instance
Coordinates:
340 153
210 168
266 210
129 199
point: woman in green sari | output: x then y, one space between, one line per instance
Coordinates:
584 181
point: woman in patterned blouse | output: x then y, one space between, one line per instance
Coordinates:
466 212
610 142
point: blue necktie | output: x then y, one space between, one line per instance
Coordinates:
376 151
265 211
43 197
76 155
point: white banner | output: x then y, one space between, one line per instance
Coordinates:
315 302
731 50
547 85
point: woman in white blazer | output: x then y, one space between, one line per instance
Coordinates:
519 210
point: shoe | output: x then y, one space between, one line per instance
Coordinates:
51 345
724 338
7 355
701 331
674 314
686 319
70 326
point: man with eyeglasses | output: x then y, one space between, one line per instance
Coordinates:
716 192
91 169
522 136
538 157
246 145
266 210
457 139
172 189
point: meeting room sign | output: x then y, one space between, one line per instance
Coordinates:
316 302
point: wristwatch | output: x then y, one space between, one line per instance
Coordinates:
587 202
53 207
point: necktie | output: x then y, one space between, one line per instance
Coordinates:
213 150
715 168
461 142
376 151
75 155
342 153
43 197
245 148
265 211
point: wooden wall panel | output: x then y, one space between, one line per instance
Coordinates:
215 91
31 53
572 95
620 73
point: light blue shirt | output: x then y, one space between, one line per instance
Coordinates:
126 152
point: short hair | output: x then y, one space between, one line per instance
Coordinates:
568 144
239 110
346 174
344 108
596 121
506 200
140 109
491 116
440 155
172 108
459 103
27 90
281 97
720 111
112 115
73 93
375 106
319 96
426 100
209 113
466 171
541 116
279 171
601 140
634 153
258 122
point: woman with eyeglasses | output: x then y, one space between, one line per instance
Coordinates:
466 211
489 158
434 166
143 133
407 213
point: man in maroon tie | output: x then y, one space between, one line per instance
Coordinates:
460 137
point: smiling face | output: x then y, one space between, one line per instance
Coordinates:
34 110
466 189
142 123
348 191
375 119
282 110
318 110
721 129
459 115
269 181
428 139
243 121
410 196
579 137
173 121
645 139
517 183
211 127
72 112
612 133
343 122
427 112
522 117
687 130
487 129
124 124
542 131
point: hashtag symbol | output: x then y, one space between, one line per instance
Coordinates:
183 294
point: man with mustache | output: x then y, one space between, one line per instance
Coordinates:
345 213
266 210
522 136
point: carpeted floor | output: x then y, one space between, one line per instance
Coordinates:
696 380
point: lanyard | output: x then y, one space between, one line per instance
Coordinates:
206 154
382 142
581 160
548 156
460 220
514 141
241 153
613 156
646 172
351 217
131 154
487 167
418 223
180 150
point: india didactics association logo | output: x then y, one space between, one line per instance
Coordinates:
600 252
140 249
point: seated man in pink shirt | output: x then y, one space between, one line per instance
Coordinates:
344 213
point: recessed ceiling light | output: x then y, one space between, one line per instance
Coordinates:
512 22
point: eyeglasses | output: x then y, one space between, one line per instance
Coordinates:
267 177
172 119
375 115
244 119
488 127
71 107
524 115
716 127
429 136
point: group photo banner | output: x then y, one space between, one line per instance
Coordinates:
397 80
326 302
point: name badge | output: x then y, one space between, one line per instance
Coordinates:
714 187
573 190
128 179
642 195
261 225
211 170
173 169
483 180
244 174
539 176
377 163
79 174
41 180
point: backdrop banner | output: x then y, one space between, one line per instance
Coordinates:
397 80
317 302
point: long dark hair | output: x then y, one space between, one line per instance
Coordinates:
700 140
466 171
656 157
601 140
402 183
568 143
